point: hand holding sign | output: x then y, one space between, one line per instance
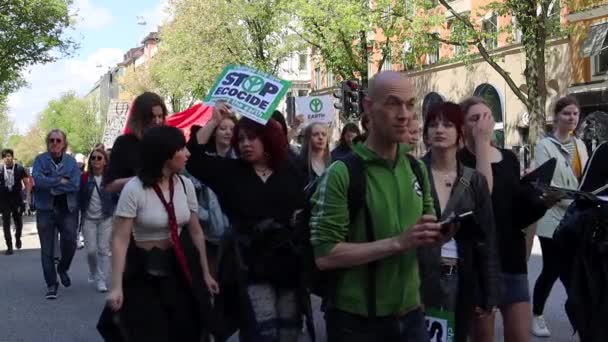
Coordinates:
220 111
251 93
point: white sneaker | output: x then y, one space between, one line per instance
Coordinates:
101 286
539 327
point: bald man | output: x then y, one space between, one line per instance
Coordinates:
376 296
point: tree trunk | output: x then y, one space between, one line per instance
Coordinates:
535 75
364 60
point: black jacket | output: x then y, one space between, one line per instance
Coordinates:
478 266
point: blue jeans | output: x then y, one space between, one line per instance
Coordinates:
66 224
346 327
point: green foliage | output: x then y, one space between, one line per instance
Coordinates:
29 146
77 118
31 32
6 124
206 35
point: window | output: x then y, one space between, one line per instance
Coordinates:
318 78
517 33
409 59
302 62
457 35
388 63
490 28
433 56
490 94
302 92
599 62
329 78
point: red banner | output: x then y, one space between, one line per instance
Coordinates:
198 115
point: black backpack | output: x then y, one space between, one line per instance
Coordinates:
322 283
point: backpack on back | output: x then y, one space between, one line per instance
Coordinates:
323 283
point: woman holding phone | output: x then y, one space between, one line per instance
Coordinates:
461 275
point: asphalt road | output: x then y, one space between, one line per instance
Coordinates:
25 316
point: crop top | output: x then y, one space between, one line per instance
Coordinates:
151 219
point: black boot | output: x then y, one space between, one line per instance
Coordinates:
18 243
9 251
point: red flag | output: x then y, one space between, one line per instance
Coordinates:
198 115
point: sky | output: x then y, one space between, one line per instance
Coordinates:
105 30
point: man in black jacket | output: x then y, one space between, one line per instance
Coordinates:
13 179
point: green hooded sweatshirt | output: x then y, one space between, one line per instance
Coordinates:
396 202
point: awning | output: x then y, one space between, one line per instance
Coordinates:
595 40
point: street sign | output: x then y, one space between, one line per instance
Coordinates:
251 93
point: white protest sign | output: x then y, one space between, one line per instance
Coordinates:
316 108
251 93
440 325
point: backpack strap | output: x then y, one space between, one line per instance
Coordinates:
356 204
416 168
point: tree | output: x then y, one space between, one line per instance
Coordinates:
76 117
31 32
6 124
30 145
539 21
206 35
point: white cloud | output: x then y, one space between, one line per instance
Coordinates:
51 80
89 16
156 16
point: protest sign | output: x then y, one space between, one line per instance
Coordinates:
316 108
251 93
440 325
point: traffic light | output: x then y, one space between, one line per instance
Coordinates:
352 100
339 94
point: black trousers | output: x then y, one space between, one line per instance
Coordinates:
16 213
552 268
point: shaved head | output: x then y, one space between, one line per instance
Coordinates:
389 83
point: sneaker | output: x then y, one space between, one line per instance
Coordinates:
51 292
101 286
539 327
65 278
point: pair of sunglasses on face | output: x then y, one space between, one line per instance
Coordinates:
55 141
97 158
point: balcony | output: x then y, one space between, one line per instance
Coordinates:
588 10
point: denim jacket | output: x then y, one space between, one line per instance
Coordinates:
47 180
87 186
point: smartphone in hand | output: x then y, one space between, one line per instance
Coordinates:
458 218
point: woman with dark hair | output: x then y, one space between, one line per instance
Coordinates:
261 193
315 157
349 133
571 155
148 110
96 209
449 273
515 207
154 293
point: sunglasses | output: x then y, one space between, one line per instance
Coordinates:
97 158
55 141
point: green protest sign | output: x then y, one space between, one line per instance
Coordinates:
251 93
440 325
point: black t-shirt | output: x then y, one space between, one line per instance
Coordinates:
515 207
12 197
125 159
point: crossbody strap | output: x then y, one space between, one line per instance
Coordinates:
177 246
461 188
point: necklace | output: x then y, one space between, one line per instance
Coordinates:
447 178
263 173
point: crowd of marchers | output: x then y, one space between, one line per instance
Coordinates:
234 229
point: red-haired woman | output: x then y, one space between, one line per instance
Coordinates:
260 193
461 275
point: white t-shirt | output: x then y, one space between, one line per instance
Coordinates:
151 219
449 250
95 211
